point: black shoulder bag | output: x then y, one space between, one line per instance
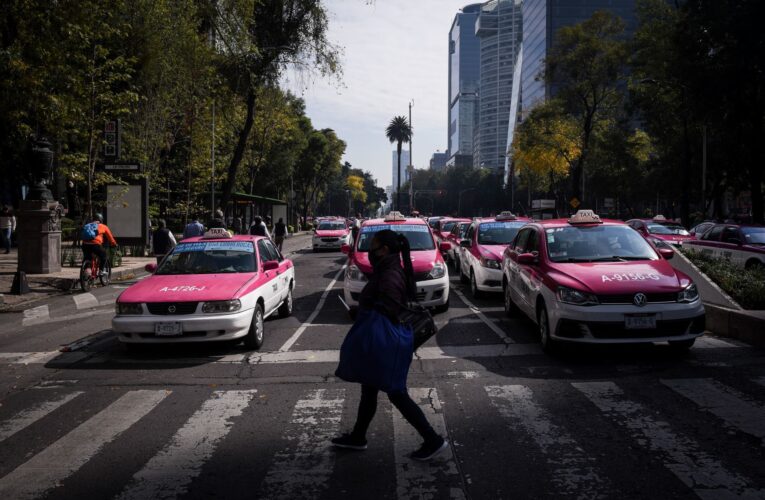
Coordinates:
420 321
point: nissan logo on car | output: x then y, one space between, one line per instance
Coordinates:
640 299
171 309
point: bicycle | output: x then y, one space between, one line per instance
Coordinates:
89 271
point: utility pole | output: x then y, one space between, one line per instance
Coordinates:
411 161
212 162
704 172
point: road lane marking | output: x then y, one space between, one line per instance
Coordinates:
47 469
303 468
291 341
85 300
29 416
705 342
169 473
424 479
35 316
37 358
467 375
70 317
478 312
724 402
698 470
573 473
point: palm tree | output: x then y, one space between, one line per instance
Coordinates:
399 131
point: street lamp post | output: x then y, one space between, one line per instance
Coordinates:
410 169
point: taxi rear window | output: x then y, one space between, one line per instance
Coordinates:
418 235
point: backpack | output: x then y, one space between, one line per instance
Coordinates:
89 231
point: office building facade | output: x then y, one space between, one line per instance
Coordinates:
464 75
438 161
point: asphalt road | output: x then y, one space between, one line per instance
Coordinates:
222 421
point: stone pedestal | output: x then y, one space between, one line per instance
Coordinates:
39 237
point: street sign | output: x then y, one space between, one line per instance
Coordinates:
123 167
540 204
112 139
574 202
608 203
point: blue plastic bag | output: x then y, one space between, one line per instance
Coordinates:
376 352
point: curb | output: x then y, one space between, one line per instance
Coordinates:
735 324
709 280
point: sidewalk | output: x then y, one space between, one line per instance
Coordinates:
45 285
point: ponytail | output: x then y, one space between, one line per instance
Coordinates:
406 257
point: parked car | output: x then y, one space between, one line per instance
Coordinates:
662 229
430 271
212 288
331 234
744 246
454 238
588 280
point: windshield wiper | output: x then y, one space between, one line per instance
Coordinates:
574 259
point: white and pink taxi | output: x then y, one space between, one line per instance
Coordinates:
743 246
592 281
210 288
430 271
481 251
331 234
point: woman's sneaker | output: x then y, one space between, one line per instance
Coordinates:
350 442
429 450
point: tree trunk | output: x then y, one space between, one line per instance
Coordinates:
685 211
398 179
241 145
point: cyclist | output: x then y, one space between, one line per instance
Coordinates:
93 235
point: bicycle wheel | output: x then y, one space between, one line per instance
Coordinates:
106 273
86 279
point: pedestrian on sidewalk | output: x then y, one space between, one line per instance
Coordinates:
163 241
237 224
193 228
259 228
218 220
280 232
7 227
388 290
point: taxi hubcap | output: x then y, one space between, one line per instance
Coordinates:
543 327
259 325
507 298
289 301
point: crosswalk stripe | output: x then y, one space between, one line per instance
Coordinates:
85 300
35 315
698 470
574 473
169 473
303 468
423 479
723 402
29 416
63 458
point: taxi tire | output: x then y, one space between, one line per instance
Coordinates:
474 291
549 346
254 338
463 277
511 310
285 310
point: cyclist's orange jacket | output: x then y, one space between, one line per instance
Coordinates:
103 230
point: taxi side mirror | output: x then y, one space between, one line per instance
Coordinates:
345 248
466 243
526 259
270 265
150 268
445 246
667 253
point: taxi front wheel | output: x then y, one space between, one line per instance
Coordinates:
254 338
548 344
285 309
510 308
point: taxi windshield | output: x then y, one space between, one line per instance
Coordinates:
675 229
447 226
597 244
331 226
754 235
498 233
210 257
418 235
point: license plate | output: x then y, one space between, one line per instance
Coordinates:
167 329
640 322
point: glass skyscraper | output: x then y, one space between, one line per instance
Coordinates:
464 76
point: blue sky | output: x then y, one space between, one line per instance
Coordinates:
394 51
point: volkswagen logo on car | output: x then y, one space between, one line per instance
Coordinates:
640 299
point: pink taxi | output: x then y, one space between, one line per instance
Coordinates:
743 246
592 281
210 288
481 251
661 230
430 271
331 234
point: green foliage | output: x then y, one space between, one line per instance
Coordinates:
746 286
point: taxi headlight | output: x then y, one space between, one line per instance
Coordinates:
690 294
490 263
222 306
127 308
354 274
438 271
576 297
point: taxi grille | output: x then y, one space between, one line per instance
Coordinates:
172 308
329 240
422 276
653 298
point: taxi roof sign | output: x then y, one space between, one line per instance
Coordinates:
585 217
660 218
506 215
394 216
216 233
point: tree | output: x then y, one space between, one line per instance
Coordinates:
398 131
317 165
586 64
